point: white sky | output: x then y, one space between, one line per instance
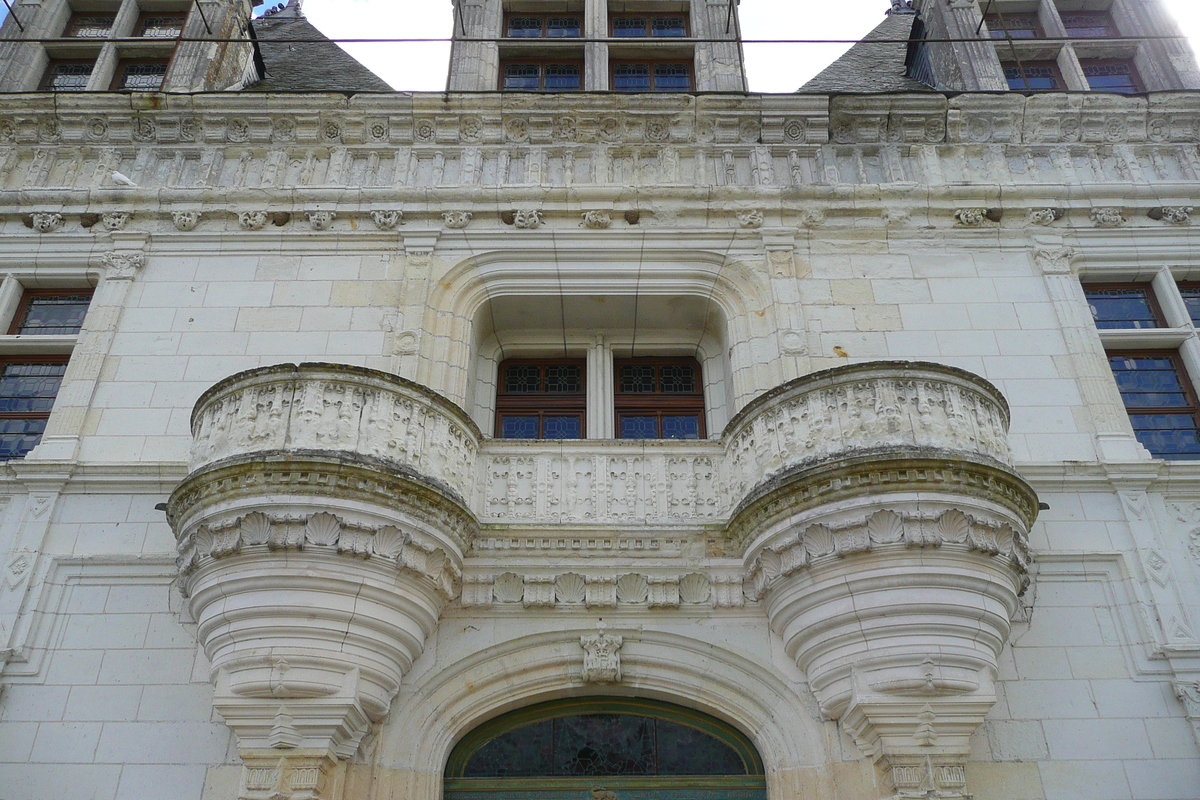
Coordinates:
770 67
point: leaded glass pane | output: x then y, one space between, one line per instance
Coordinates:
1109 77
681 426
514 427
92 26
70 77
1036 78
525 27
162 27
521 379
520 753
564 379
143 76
1191 298
668 26
522 77
1121 308
29 388
1085 25
1018 27
561 428
632 78
563 77
562 27
636 378
629 26
1148 382
1170 436
672 78
684 750
604 744
678 379
19 436
639 427
54 314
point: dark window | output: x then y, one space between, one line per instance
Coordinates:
1160 402
50 312
1191 298
537 77
643 25
28 387
1110 75
1124 306
139 76
652 77
532 26
67 76
89 26
1033 76
1089 24
1018 26
541 399
659 398
161 26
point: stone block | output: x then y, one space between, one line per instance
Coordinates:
1101 739
66 742
1084 780
176 781
1004 781
1017 740
103 703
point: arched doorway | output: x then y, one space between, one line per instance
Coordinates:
605 749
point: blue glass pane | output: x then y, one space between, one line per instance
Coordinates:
1085 25
681 427
563 77
1110 78
560 428
632 78
525 27
1121 308
672 78
55 314
629 26
1148 382
639 427
1191 297
29 388
604 744
562 27
522 77
519 428
668 26
1171 436
19 436
1035 78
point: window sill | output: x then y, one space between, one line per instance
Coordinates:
41 345
1145 338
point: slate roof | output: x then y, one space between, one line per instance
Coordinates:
305 67
871 68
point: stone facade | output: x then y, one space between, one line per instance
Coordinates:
268 546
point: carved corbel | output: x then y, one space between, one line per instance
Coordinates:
122 264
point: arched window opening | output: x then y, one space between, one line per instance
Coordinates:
635 749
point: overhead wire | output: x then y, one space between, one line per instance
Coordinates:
565 42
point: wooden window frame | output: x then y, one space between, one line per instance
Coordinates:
649 27
1001 26
1193 407
125 63
68 31
542 63
651 63
545 31
658 403
1151 300
539 404
1111 24
1134 76
1022 66
47 84
14 327
32 358
182 16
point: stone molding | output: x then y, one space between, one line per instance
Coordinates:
598 589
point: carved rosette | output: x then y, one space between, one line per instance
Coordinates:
889 551
320 534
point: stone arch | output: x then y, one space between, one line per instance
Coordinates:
444 704
741 292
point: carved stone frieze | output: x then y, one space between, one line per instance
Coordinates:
1043 216
387 220
185 220
252 220
115 220
1175 215
320 220
1108 217
47 221
1054 260
601 656
570 590
971 217
750 218
123 263
457 219
597 220
527 218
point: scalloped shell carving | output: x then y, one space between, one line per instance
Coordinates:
632 588
204 541
509 588
570 588
435 563
885 527
818 540
1006 539
953 526
256 528
389 541
694 588
323 529
772 564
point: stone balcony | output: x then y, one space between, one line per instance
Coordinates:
874 507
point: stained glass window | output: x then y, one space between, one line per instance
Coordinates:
1033 76
89 26
668 26
1110 76
659 398
68 76
141 76
532 77
652 77
1161 404
629 26
27 392
162 26
1088 25
1191 298
51 313
541 399
1130 306
1019 26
